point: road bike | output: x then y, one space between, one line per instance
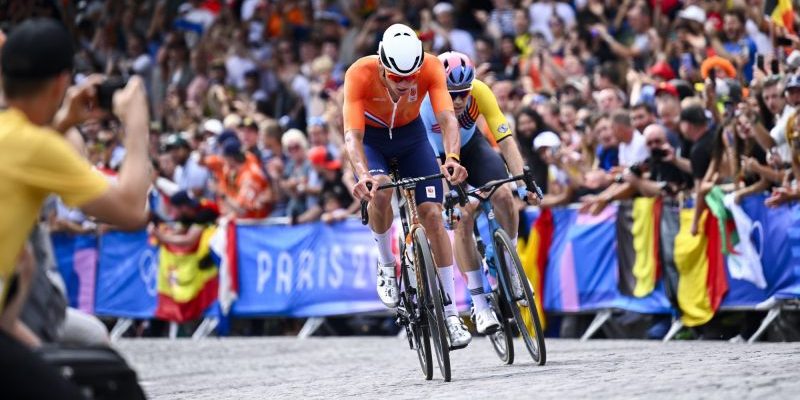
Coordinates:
422 298
512 299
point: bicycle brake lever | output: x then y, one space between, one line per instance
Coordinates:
530 183
364 203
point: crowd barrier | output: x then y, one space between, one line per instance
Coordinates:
319 270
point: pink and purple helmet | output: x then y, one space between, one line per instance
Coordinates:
458 69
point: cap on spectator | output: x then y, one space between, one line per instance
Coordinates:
225 135
793 82
320 157
442 8
663 70
182 198
426 35
37 49
684 88
667 88
694 114
231 147
693 13
176 141
214 126
232 121
720 64
546 139
249 123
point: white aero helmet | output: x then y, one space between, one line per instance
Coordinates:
400 50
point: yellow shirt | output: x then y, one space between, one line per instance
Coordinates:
35 162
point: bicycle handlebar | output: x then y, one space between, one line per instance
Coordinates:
404 183
460 196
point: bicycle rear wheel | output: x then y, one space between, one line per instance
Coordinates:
503 339
419 337
510 272
434 306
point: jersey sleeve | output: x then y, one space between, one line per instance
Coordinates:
433 71
431 124
488 107
57 168
353 108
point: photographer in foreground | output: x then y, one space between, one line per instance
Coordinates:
36 160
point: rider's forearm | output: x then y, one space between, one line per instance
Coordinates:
450 134
508 147
354 145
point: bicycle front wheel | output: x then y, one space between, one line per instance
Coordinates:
434 306
416 324
518 292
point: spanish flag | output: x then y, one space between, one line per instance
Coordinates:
781 13
701 267
637 245
187 280
534 257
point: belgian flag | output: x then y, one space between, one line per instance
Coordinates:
781 13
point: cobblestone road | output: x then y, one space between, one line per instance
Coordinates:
372 368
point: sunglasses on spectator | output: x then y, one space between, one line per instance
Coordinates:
399 79
657 142
460 94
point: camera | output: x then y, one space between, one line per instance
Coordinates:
105 92
658 154
636 169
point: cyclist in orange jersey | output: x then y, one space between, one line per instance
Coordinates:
382 98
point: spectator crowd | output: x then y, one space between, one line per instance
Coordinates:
608 99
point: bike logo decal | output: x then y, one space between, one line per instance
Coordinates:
430 192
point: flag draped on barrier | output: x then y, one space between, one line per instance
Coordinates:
637 246
187 280
534 255
76 256
701 269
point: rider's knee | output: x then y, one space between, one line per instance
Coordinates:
431 215
503 198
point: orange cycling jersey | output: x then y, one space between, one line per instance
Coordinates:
367 100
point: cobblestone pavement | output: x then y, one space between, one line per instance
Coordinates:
370 368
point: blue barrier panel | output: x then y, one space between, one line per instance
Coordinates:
306 270
126 276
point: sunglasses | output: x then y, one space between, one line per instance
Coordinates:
654 143
400 79
461 94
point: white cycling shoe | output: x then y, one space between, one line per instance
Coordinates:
485 321
459 335
387 288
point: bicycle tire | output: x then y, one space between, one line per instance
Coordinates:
532 335
503 339
419 334
434 307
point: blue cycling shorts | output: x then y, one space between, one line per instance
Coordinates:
410 149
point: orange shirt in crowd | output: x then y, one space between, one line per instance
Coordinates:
367 100
247 186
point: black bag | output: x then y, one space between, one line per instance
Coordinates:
100 372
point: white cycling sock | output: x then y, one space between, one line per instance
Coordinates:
384 241
449 286
475 286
